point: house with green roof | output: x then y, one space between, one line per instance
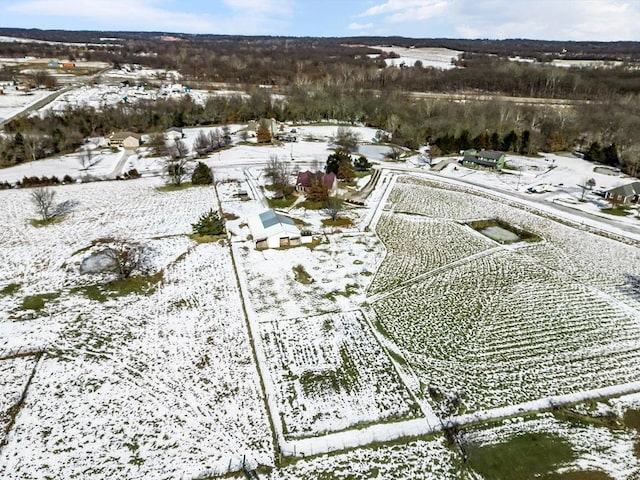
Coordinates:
273 230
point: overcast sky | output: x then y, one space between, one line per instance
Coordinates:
603 20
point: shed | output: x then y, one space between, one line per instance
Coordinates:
273 230
173 133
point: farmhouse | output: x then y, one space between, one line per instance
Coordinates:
484 158
128 140
629 193
308 178
273 230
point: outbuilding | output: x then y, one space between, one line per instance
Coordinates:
273 230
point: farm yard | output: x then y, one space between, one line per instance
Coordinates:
332 374
343 358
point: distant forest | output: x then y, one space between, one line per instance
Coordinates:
337 78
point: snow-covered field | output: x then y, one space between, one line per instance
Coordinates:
429 57
231 351
14 101
508 324
143 386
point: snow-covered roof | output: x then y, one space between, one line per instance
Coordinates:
269 223
627 190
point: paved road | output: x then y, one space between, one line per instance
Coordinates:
610 225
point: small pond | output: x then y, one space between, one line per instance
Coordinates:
502 232
607 171
374 152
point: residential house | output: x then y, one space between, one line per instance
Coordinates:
273 230
306 179
128 140
173 133
484 158
629 193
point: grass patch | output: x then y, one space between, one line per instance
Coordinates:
584 475
38 302
140 285
301 275
342 378
309 205
281 202
609 421
338 222
177 188
40 222
10 289
617 211
531 455
632 419
207 238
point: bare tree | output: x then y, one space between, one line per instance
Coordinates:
280 173
42 199
202 144
86 159
175 170
334 207
346 139
127 257
394 153
587 184
179 149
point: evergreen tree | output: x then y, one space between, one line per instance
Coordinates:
209 223
610 155
201 175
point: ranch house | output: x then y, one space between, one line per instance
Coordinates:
629 193
484 158
128 140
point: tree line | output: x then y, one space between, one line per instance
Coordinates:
410 122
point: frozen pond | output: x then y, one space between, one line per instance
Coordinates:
374 152
500 234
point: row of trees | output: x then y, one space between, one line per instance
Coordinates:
410 122
510 142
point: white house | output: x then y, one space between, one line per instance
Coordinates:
174 133
128 140
273 230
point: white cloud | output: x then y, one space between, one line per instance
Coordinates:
600 20
400 11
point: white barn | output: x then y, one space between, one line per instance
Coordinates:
273 230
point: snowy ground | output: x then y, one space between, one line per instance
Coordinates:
166 385
157 386
14 101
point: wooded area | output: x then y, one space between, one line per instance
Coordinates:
318 79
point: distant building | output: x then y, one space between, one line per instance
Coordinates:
629 193
173 133
273 230
128 140
484 158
